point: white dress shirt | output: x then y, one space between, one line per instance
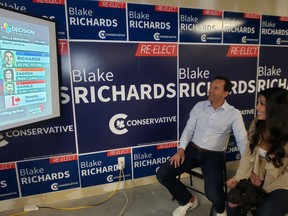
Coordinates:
209 129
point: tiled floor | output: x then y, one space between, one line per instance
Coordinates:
150 200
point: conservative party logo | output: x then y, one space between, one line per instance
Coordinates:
6 28
119 123
3 142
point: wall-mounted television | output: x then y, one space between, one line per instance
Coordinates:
29 76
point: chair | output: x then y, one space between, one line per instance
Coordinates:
196 172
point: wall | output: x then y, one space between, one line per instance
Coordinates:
93 130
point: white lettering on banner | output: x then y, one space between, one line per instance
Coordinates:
149 25
14 6
118 123
3 184
197 27
242 86
248 112
89 21
269 83
150 162
80 11
141 156
92 163
281 32
39 131
44 177
267 71
99 170
33 171
187 73
92 76
124 93
151 121
138 15
156 91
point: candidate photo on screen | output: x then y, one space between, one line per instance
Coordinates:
8 59
8 75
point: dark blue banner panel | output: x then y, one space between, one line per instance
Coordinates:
98 20
241 28
8 181
48 175
274 30
102 168
122 102
200 25
147 160
152 23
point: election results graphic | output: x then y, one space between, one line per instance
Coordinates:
152 23
99 20
48 175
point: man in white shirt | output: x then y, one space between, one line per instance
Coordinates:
202 144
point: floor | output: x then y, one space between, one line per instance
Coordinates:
150 200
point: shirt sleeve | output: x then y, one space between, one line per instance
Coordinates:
189 129
240 132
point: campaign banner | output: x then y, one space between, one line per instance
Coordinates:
241 28
54 10
274 30
200 25
272 70
97 20
148 159
8 181
152 23
204 63
127 101
102 168
48 175
46 138
232 151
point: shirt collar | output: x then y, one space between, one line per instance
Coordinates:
224 106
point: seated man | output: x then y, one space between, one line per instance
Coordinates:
202 144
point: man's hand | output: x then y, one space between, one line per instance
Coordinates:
178 159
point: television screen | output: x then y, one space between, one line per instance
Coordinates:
29 85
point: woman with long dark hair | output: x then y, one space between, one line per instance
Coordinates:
265 161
